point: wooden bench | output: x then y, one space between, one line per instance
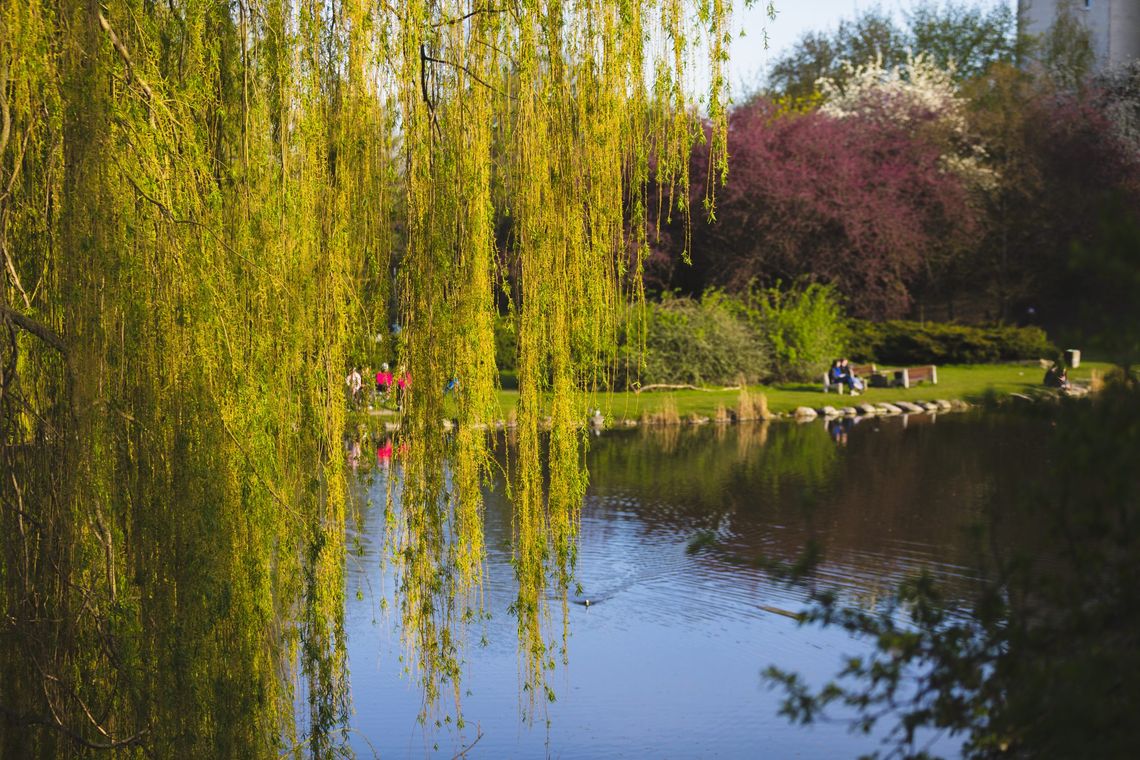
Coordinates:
904 378
862 371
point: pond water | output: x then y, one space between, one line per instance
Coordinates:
666 661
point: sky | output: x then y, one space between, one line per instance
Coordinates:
793 18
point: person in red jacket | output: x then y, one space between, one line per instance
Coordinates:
383 380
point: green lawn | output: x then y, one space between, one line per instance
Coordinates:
966 382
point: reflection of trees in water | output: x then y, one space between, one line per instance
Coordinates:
438 557
893 499
703 472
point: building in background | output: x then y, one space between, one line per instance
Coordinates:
1114 25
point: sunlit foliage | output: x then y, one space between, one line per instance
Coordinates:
559 95
201 203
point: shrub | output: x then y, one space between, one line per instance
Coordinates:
697 342
804 328
900 342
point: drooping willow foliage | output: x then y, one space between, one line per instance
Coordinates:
201 204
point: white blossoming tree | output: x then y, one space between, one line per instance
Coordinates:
918 95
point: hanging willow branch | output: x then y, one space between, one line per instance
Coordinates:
465 16
121 49
41 331
18 718
460 67
218 247
424 59
5 113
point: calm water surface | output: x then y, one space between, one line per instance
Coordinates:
666 661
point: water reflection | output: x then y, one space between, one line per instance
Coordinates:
195 641
666 656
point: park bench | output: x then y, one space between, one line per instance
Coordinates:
904 378
863 371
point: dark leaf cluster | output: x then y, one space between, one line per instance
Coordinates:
902 342
1041 663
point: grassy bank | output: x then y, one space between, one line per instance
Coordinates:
966 382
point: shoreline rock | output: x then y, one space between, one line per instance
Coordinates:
383 419
805 413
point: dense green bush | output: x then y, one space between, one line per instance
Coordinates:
783 335
804 328
699 342
899 342
767 334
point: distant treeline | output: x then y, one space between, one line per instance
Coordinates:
916 188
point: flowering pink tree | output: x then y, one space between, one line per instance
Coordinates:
868 205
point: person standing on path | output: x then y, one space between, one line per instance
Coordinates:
354 383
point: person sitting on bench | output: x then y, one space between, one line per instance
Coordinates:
841 373
1057 376
835 374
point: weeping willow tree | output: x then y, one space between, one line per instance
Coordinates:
553 118
200 205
